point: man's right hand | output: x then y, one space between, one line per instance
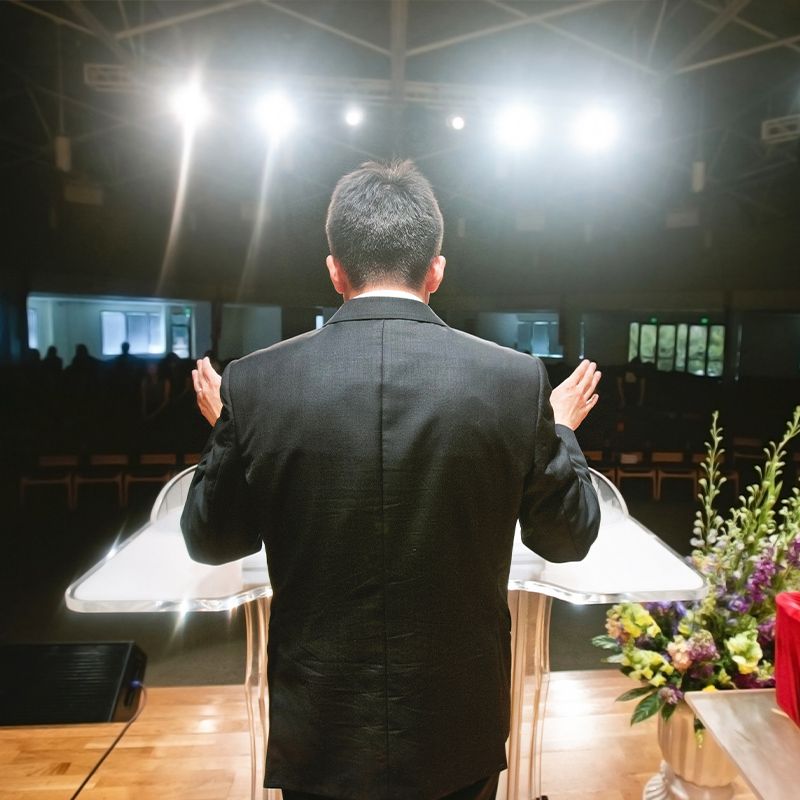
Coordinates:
207 387
573 399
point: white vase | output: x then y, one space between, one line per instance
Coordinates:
690 770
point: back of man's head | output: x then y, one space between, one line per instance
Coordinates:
384 225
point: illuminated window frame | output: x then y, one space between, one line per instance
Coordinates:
690 352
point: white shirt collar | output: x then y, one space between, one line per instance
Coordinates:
388 293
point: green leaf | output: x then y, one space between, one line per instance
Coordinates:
634 693
667 710
646 708
615 659
606 642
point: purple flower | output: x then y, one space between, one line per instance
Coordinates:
670 694
766 631
762 576
701 672
657 608
738 604
702 647
793 553
752 681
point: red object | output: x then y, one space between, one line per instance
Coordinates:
787 653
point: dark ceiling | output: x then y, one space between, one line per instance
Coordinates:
693 81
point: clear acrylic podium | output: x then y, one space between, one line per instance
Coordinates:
151 571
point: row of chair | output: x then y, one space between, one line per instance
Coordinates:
664 465
117 470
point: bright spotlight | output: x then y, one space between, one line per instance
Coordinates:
457 122
595 130
353 116
190 105
517 127
277 115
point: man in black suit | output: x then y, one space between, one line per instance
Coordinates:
384 461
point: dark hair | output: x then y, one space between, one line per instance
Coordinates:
384 222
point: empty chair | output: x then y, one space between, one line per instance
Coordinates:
673 465
633 464
747 452
51 470
151 468
103 468
597 460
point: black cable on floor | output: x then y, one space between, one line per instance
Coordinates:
142 704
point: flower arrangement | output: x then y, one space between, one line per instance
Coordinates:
725 641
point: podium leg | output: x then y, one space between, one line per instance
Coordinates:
530 675
256 694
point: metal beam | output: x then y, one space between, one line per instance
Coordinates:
630 62
743 23
148 27
125 24
40 114
708 33
52 17
99 31
656 31
735 56
399 28
521 15
505 26
328 28
372 91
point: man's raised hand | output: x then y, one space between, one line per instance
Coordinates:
573 399
206 386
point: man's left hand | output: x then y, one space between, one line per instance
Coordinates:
206 386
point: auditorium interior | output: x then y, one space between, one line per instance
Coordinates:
153 213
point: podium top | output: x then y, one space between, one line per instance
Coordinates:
151 570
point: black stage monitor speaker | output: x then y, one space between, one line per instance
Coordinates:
57 684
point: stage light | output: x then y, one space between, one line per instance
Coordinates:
277 115
517 127
457 122
190 105
353 116
595 130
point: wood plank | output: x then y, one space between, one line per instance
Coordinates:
192 742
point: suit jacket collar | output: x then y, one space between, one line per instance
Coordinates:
360 308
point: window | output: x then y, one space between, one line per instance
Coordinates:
680 347
33 329
633 341
114 334
695 348
531 332
666 348
144 332
698 344
716 350
648 335
538 337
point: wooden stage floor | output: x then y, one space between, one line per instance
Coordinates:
191 743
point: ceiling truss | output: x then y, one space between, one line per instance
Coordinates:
131 73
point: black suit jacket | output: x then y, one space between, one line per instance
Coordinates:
384 460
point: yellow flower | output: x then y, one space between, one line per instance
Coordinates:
745 651
636 620
646 665
709 689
